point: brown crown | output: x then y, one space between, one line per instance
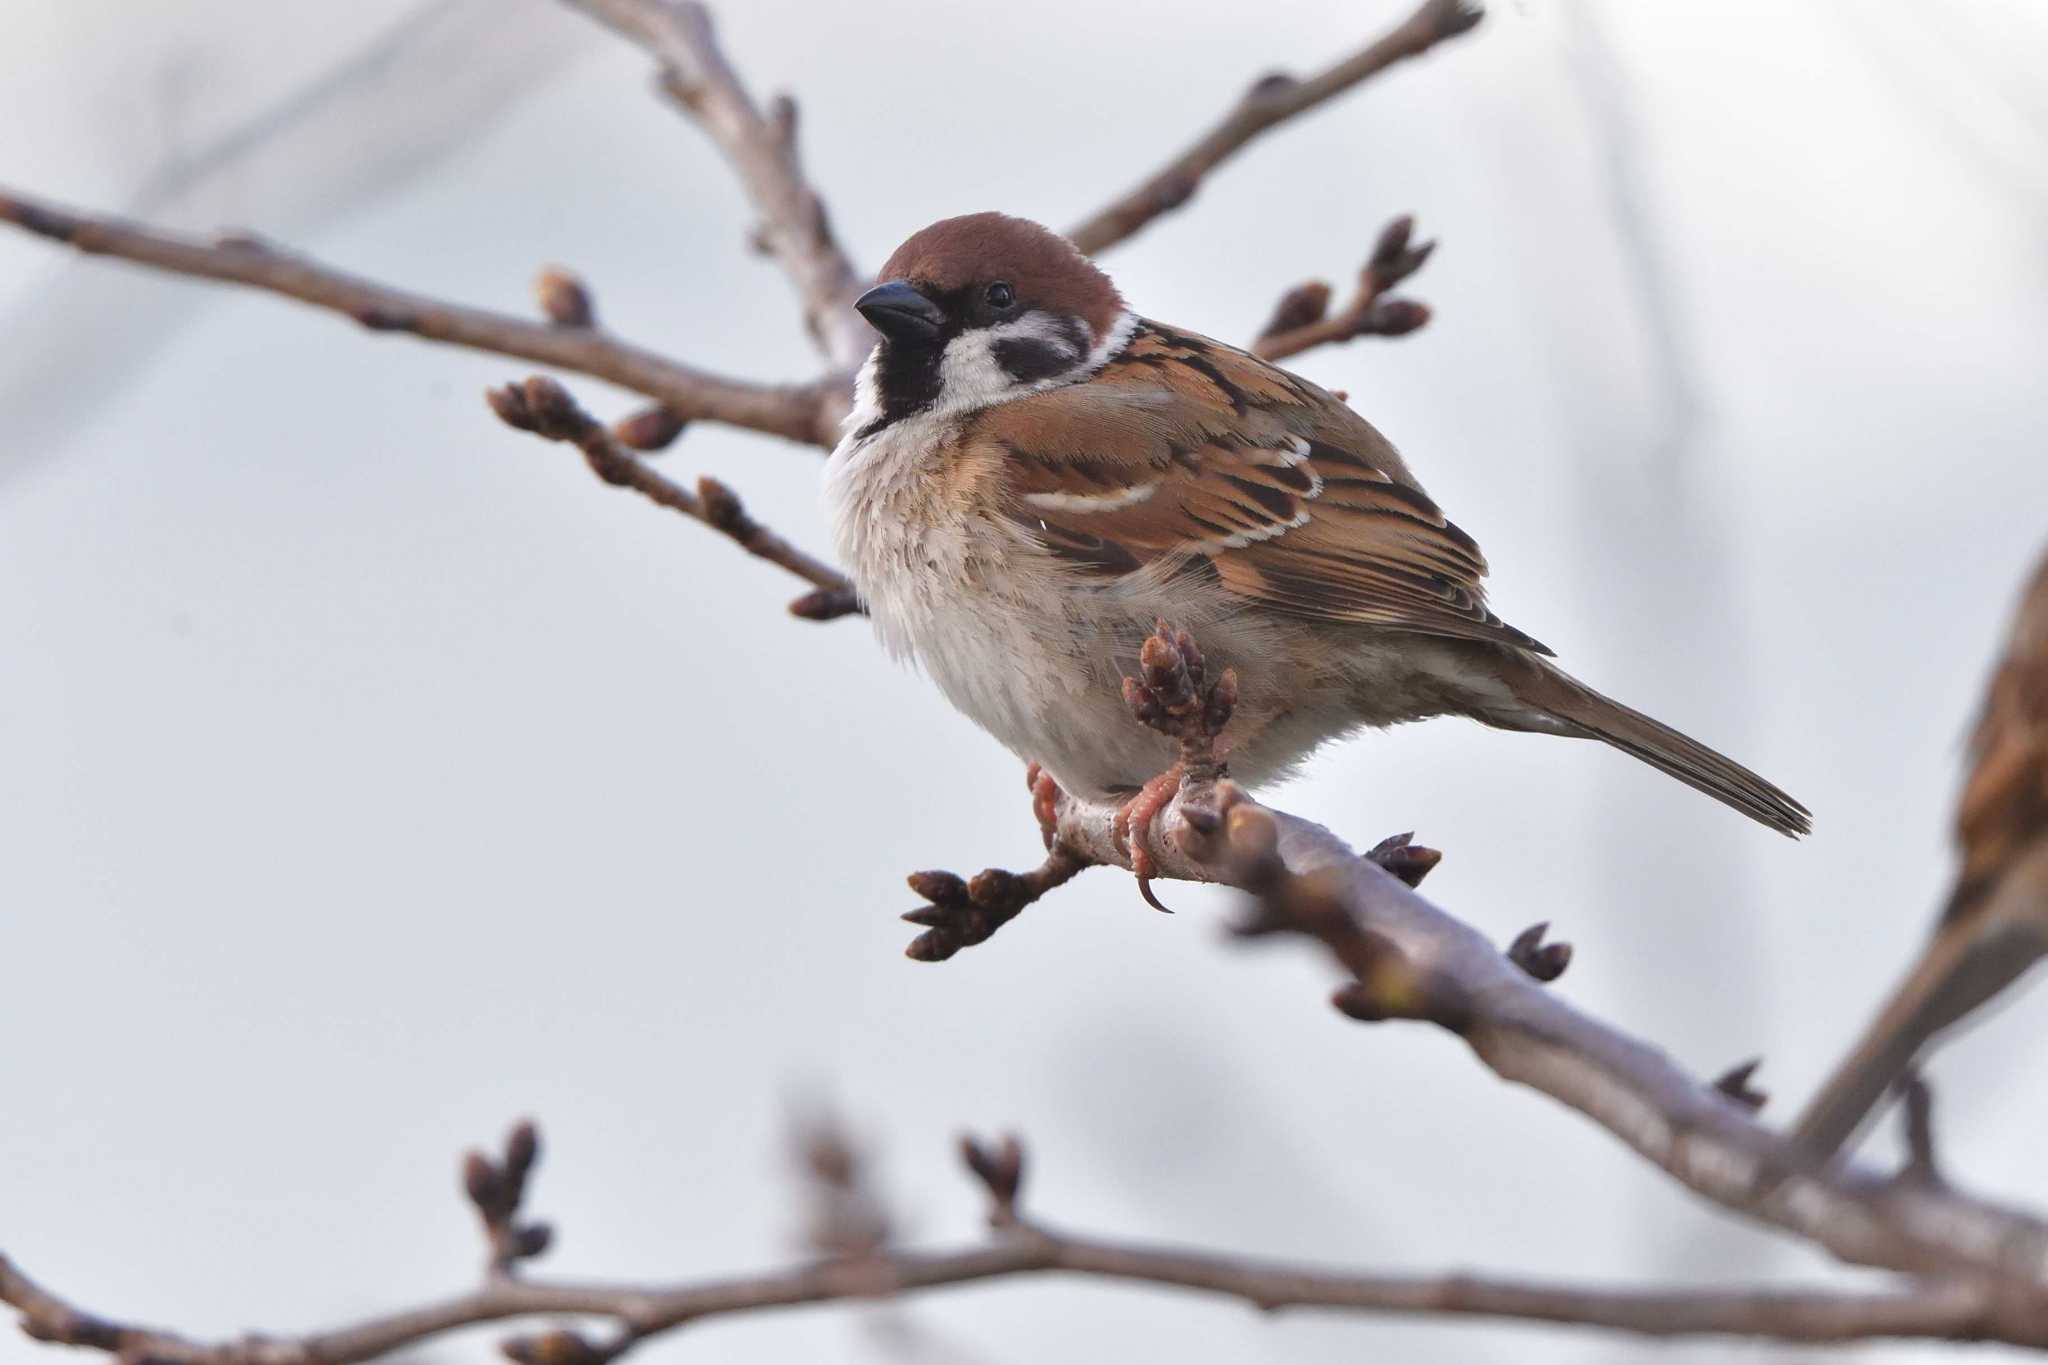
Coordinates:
980 248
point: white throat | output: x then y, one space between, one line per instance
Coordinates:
872 473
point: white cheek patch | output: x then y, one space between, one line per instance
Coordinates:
988 364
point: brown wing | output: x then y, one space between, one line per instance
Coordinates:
1187 453
2004 807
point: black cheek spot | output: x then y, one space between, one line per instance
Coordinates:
1029 359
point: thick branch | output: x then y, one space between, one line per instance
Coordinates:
762 150
800 412
543 407
1269 102
1413 960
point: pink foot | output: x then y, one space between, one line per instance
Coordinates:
1045 796
1133 828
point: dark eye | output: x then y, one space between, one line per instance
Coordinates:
1000 296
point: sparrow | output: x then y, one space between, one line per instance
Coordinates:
1995 925
1033 477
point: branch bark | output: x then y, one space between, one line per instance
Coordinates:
1410 959
544 407
799 412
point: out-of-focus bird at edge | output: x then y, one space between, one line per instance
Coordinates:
1033 475
1995 925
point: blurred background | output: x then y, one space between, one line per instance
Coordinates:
370 775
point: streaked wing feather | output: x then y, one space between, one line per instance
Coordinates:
1183 448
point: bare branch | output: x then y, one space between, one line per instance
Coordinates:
1411 960
763 153
544 407
1955 1310
799 412
1270 101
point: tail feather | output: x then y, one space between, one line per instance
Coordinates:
1963 967
1583 711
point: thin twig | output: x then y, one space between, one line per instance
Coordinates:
762 150
1302 321
1270 101
808 412
544 407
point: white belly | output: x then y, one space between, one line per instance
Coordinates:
1035 654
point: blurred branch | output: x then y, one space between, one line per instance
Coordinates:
1302 319
795 228
871 1270
544 407
799 412
1270 101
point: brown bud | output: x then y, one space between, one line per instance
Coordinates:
940 888
482 1182
532 1239
933 945
829 1157
652 428
1449 18
1271 86
509 403
1544 961
827 604
1397 317
1393 242
522 1149
559 1347
563 299
1406 859
1000 1168
722 507
1734 1083
545 407
992 886
1299 307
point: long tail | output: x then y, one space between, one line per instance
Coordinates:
1964 966
1578 709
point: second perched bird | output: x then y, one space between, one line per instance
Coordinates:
1995 926
1033 475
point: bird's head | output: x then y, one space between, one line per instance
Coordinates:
983 308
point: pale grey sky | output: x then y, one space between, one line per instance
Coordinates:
370 775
